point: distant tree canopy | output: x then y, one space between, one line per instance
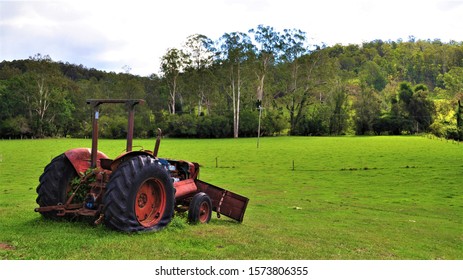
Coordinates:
215 88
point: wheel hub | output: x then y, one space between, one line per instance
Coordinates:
142 199
150 202
203 212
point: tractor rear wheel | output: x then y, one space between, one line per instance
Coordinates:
139 196
200 209
55 184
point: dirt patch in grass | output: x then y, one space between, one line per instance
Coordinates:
4 246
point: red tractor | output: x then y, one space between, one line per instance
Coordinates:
136 191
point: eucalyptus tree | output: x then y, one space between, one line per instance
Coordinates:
268 43
292 46
338 107
236 49
367 107
453 81
172 64
317 70
200 51
46 97
38 101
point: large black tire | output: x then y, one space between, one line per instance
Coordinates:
200 209
55 184
139 196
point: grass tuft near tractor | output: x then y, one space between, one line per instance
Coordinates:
136 191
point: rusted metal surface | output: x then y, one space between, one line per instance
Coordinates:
63 209
158 143
80 158
225 202
95 103
130 104
91 205
150 202
185 188
95 117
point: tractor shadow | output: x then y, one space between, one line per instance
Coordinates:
77 224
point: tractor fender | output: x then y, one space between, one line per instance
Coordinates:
126 156
80 159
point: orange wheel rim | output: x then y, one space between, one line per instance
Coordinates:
150 202
204 212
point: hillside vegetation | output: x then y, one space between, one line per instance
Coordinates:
217 88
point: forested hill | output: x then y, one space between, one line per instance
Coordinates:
218 88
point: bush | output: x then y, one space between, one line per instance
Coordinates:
274 122
181 126
114 127
249 121
15 127
310 127
220 126
392 125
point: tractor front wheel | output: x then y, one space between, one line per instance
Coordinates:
139 196
200 209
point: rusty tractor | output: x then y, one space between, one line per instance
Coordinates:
136 191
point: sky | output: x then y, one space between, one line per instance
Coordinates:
133 35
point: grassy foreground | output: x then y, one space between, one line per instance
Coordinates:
310 198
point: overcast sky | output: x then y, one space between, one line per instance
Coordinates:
108 35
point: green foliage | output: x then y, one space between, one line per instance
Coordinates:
405 92
390 124
249 121
81 185
15 127
214 126
113 126
373 76
182 125
205 126
453 80
367 111
274 122
220 78
310 126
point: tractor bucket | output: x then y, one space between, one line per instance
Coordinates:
224 202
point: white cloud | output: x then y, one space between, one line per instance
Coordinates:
110 34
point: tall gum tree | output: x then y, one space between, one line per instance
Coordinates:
236 49
292 46
48 88
172 64
268 42
200 51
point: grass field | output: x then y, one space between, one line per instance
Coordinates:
311 198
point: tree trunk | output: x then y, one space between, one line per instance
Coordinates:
42 105
172 95
237 114
260 88
236 96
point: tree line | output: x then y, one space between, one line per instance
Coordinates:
228 86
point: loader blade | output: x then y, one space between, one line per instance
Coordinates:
224 202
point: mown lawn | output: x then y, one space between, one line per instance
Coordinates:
311 198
